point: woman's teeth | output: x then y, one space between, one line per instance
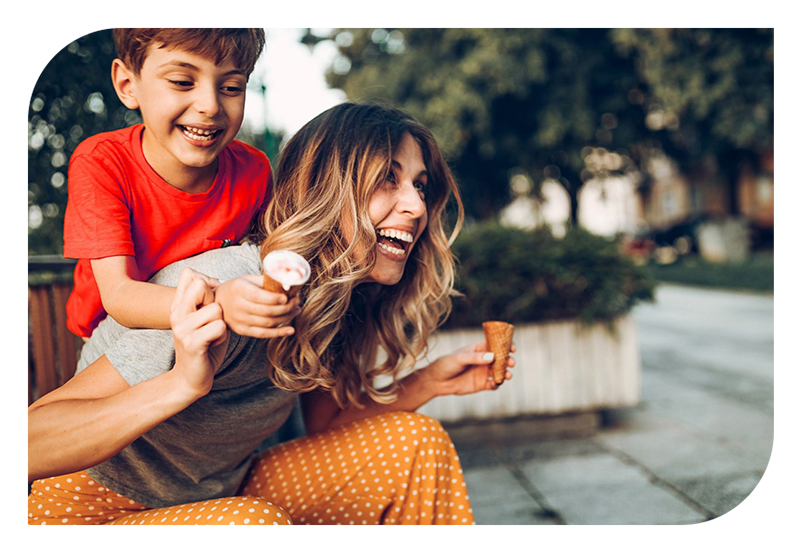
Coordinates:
198 134
390 249
396 234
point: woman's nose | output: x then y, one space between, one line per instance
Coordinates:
410 200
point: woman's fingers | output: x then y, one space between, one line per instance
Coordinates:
210 333
191 292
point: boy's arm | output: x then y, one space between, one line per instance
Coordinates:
248 309
129 300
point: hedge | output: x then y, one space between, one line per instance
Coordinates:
521 276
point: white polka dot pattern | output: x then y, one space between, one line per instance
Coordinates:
396 468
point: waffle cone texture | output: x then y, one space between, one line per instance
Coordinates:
499 336
273 285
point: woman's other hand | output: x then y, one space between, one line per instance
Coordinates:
250 310
199 332
465 371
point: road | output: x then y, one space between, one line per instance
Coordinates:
693 449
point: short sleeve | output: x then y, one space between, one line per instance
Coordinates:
142 354
97 221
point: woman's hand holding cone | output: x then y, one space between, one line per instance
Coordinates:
466 371
499 337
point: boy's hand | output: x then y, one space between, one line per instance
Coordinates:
249 310
199 333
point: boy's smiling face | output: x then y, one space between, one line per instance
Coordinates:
191 107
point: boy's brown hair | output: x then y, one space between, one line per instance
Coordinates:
243 46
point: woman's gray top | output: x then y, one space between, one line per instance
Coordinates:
205 450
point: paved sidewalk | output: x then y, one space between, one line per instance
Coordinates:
694 448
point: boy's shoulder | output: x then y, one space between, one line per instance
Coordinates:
100 142
242 151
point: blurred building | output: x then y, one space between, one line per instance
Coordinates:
686 212
551 206
673 199
757 192
609 206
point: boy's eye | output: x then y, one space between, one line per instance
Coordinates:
181 84
232 90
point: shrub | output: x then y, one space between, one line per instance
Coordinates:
531 276
755 274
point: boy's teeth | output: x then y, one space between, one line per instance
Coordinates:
199 134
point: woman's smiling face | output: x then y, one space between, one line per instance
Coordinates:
398 211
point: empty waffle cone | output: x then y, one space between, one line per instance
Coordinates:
498 337
285 272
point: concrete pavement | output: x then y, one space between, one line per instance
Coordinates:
694 448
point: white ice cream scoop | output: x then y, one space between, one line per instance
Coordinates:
285 272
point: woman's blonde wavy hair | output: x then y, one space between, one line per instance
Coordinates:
326 176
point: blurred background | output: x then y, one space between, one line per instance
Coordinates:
620 178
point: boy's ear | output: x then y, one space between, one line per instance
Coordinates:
122 77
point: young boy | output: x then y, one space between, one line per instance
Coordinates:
146 196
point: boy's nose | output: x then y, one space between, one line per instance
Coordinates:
207 101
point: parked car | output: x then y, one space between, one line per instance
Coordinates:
681 236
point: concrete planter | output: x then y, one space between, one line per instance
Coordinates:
561 367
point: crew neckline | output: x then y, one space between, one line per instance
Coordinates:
158 181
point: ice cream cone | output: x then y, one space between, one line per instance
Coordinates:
285 272
498 338
274 286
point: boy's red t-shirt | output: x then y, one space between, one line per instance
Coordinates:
118 205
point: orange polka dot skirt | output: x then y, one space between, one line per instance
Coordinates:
396 468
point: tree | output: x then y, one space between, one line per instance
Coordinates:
500 100
542 101
710 96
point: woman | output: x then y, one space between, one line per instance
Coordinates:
361 194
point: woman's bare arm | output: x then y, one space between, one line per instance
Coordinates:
465 371
96 414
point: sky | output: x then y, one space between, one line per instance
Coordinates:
294 76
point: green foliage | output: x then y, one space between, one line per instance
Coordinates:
721 77
531 100
531 276
497 99
756 274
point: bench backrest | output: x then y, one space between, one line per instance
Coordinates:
52 349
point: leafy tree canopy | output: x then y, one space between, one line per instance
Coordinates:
541 101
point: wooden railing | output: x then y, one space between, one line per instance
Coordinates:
52 349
